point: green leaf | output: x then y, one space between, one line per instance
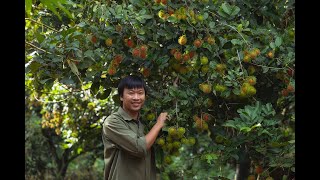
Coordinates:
89 54
53 5
173 91
264 132
111 11
67 81
93 125
79 150
44 80
82 24
153 44
28 7
222 13
76 44
142 11
166 99
146 16
245 117
239 27
142 32
57 59
142 18
230 10
172 19
230 123
245 129
236 91
73 67
278 41
226 8
118 9
210 157
271 122
39 37
184 102
64 10
212 25
65 146
162 60
292 141
268 110
161 32
272 45
236 41
265 69
247 24
234 11
34 66
205 15
235 156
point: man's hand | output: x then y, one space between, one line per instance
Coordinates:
162 118
153 133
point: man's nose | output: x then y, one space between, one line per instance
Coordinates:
136 96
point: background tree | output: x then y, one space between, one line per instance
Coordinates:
223 69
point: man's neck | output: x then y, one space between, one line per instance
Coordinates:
134 114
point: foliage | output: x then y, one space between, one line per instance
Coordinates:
88 166
51 5
36 159
69 124
258 124
224 70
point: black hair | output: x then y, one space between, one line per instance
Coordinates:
131 82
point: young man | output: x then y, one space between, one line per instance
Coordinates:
127 150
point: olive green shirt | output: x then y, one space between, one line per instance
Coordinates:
125 153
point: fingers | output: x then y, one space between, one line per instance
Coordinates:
167 116
164 116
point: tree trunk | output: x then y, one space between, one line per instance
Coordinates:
243 167
63 161
62 170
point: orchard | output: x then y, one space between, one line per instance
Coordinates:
224 70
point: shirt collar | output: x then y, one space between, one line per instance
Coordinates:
125 115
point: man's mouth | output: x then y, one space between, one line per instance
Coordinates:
136 104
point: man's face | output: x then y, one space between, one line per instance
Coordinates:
133 99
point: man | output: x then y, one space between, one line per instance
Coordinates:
127 150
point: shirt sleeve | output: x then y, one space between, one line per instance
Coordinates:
119 133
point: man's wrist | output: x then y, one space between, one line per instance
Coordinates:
159 125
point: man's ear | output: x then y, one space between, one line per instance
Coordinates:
121 98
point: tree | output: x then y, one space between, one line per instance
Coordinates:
223 70
67 126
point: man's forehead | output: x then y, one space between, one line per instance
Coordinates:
135 89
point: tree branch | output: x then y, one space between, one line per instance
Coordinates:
235 30
37 48
42 24
51 145
267 66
